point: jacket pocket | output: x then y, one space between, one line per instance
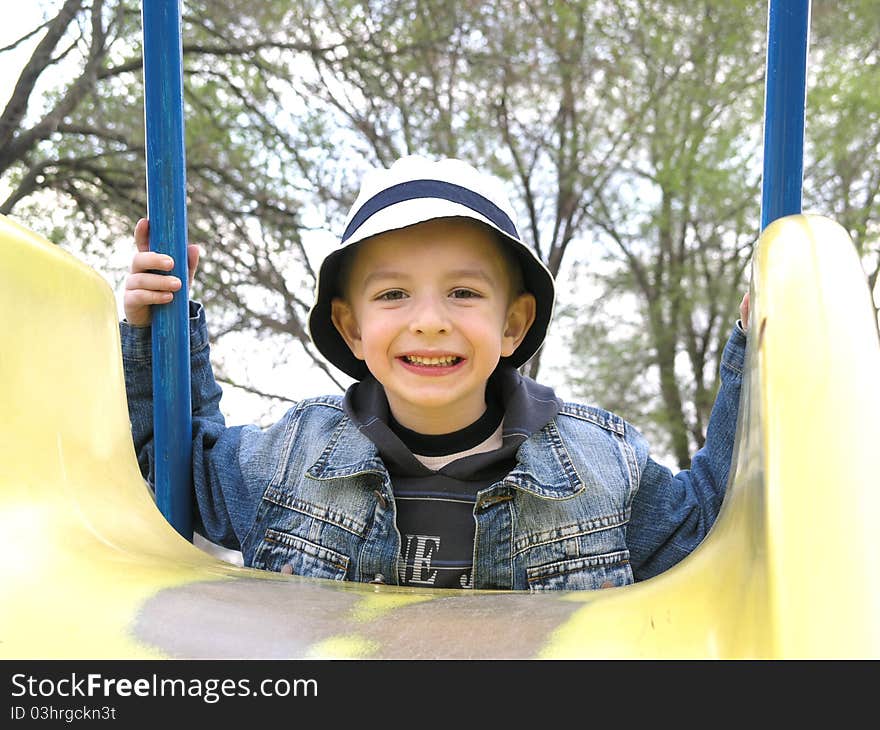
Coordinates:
286 553
584 573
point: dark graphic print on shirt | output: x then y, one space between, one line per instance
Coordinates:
437 537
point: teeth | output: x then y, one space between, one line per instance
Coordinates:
444 361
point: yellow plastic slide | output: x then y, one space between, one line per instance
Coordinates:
790 569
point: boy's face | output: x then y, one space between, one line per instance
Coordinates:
430 309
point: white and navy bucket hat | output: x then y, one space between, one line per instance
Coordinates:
414 190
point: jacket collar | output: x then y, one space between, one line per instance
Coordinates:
348 452
544 467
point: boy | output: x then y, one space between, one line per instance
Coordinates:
441 466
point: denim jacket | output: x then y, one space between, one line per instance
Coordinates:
585 507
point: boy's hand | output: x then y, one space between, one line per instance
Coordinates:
744 312
142 288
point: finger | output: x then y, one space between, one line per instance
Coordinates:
151 261
744 310
152 282
142 235
192 256
144 297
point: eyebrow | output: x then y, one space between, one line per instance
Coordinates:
382 274
471 274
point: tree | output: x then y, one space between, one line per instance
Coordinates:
677 219
71 137
683 257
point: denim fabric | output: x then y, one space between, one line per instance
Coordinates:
584 508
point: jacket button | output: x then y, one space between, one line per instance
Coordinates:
286 569
383 503
378 578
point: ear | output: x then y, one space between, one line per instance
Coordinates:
345 322
520 316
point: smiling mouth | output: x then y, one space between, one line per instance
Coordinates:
444 361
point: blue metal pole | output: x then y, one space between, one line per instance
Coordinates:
166 209
784 104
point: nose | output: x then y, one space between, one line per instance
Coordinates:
430 317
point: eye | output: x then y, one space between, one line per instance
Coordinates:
464 294
391 295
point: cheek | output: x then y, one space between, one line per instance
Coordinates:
485 333
376 335
491 322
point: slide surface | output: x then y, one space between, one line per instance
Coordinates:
790 569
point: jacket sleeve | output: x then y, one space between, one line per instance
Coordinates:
224 509
672 513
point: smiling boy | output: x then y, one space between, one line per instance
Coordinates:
442 465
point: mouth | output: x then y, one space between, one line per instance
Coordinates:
439 361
